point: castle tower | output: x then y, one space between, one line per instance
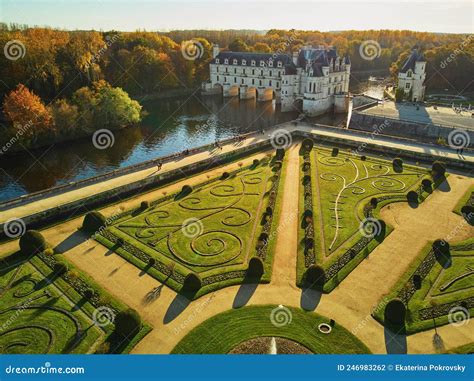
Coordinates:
411 78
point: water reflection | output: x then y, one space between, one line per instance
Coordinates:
171 125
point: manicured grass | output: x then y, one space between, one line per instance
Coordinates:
442 286
223 332
212 231
463 349
342 185
43 313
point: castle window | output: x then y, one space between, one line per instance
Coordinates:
225 79
253 62
217 69
270 63
253 71
226 61
235 61
261 73
235 70
260 82
235 79
217 60
253 81
409 73
243 71
278 85
217 78
262 63
407 86
269 83
242 81
244 62
279 64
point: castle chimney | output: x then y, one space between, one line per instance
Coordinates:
215 50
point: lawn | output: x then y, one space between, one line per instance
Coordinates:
211 230
44 313
337 188
221 333
446 293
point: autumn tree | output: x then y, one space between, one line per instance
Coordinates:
27 114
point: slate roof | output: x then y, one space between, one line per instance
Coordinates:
318 57
414 57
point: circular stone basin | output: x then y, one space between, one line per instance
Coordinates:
261 346
324 328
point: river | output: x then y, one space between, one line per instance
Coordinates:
170 125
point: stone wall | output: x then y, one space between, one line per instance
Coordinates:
428 133
82 206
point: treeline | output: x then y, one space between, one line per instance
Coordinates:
66 73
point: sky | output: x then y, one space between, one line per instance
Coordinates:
447 16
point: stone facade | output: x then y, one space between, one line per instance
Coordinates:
313 80
411 77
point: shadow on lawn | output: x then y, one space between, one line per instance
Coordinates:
310 299
395 343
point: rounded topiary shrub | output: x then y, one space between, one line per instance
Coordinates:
373 202
192 283
89 293
397 164
256 268
120 241
395 312
93 222
280 153
127 323
417 281
315 277
278 164
308 213
306 179
269 210
60 268
255 162
32 242
308 243
438 169
412 197
363 158
427 185
225 175
307 144
151 261
441 247
468 213
144 205
335 151
186 189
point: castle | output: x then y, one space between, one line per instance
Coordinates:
411 77
312 80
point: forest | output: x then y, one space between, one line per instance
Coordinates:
65 83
